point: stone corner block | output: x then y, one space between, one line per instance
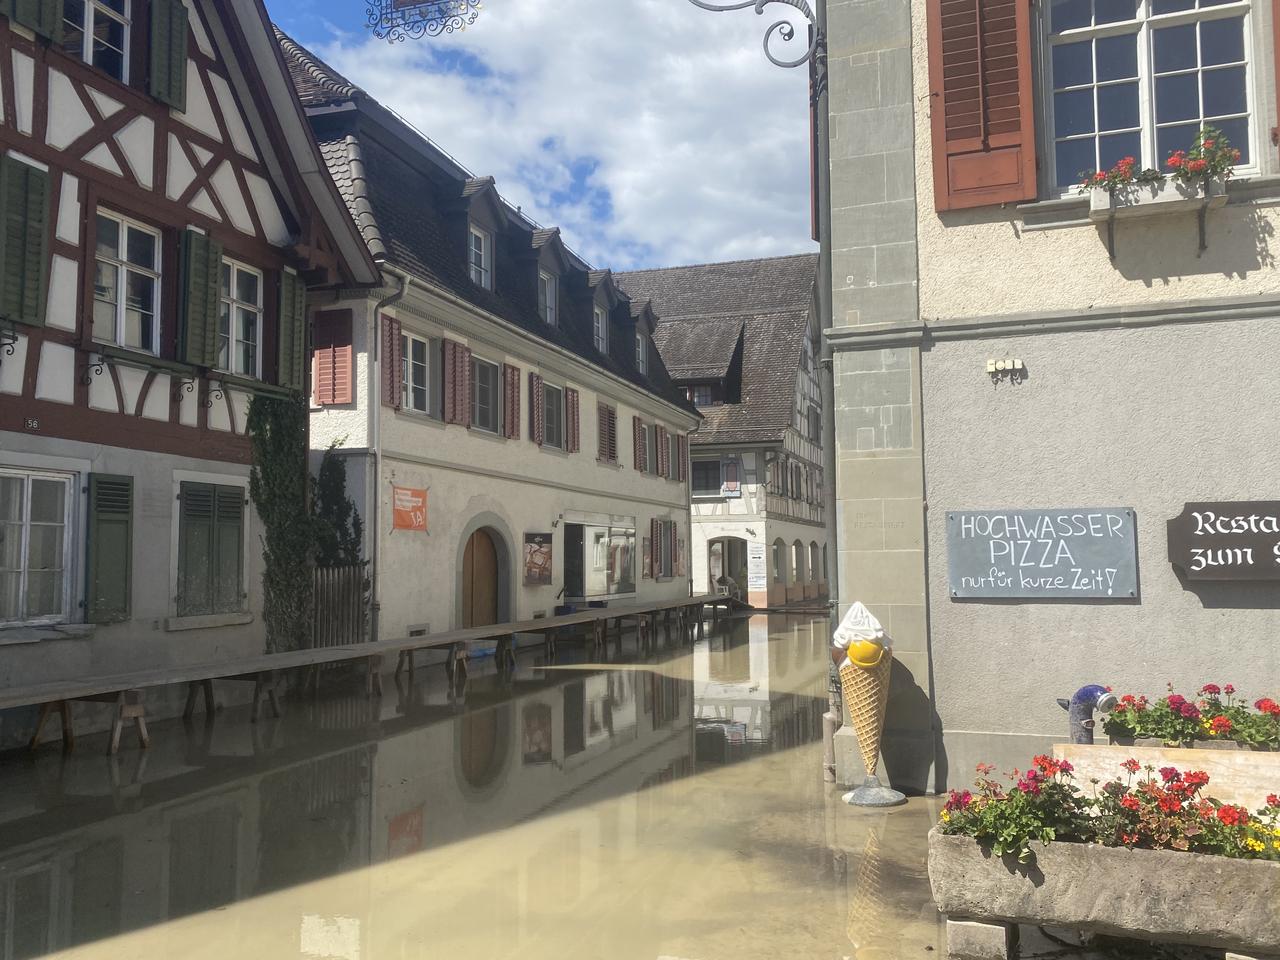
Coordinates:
973 940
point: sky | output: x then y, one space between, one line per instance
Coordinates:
653 133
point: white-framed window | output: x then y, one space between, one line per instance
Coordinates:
547 297
97 32
1140 78
486 396
553 416
240 320
600 329
706 478
642 363
414 373
35 546
480 257
651 448
126 283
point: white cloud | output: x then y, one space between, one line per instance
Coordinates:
669 113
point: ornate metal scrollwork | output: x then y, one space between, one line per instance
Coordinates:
782 28
398 20
94 367
215 392
181 385
8 339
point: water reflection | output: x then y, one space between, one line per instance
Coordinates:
661 805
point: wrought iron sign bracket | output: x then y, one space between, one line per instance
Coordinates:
783 28
8 339
95 366
399 20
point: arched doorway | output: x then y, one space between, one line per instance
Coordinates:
727 557
479 580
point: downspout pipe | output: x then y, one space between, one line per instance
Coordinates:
375 431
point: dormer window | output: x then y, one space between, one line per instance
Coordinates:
480 257
547 297
600 329
641 359
97 32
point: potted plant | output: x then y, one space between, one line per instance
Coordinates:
1148 855
1196 179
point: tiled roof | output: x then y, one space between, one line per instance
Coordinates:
316 82
400 213
768 301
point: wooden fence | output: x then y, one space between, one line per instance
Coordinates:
340 614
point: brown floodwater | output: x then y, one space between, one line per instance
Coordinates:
652 806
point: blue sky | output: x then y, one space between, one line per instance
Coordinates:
651 132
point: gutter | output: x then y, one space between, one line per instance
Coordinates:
375 432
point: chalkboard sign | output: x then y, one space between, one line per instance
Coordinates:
1237 540
1065 552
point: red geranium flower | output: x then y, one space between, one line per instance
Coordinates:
1170 774
1229 689
1129 802
1212 689
1273 800
1131 765
1220 725
1195 778
1190 711
1233 816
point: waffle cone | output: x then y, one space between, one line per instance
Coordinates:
866 695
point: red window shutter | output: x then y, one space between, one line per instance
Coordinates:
391 372
637 443
571 418
511 401
655 553
448 369
981 102
663 451
463 378
602 432
682 451
613 435
332 360
537 410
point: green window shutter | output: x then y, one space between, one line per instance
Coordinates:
201 280
41 17
293 332
168 52
228 549
24 241
109 548
195 548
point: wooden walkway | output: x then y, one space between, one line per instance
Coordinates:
56 696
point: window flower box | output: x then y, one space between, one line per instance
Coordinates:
1160 895
1155 199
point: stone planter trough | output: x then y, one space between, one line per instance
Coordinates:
1154 199
1241 776
1159 895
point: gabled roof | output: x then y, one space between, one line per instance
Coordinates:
705 308
401 191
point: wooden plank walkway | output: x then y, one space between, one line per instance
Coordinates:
61 690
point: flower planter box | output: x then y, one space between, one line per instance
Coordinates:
1160 895
1241 776
1153 199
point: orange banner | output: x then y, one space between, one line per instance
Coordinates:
408 509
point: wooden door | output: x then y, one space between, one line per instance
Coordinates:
479 581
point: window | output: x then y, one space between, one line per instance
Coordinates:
240 320
815 425
702 395
414 368
600 329
210 549
1139 77
97 32
35 510
779 556
553 416
641 359
486 396
479 257
126 283
706 478
547 298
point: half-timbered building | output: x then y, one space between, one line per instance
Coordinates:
163 209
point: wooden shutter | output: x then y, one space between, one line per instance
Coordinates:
292 332
200 283
168 80
195 548
228 549
982 107
457 383
24 241
510 402
637 443
602 432
42 17
392 363
655 552
537 410
682 457
573 437
332 357
109 548
663 443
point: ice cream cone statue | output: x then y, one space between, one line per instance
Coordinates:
861 651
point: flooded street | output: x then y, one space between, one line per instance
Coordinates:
659 806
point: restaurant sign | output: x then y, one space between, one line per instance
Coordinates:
1059 552
1238 540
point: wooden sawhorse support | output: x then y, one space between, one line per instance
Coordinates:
262 682
128 704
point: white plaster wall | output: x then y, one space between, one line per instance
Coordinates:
1148 419
347 425
980 262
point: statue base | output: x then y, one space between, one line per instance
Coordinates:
873 793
